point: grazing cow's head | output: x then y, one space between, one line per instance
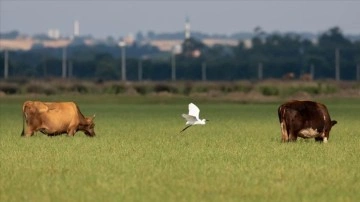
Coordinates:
88 128
325 139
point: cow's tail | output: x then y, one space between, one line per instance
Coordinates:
23 117
280 113
284 130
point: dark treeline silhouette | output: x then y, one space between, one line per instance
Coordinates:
277 54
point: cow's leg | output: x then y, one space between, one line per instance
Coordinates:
323 137
29 131
292 137
71 132
284 133
326 136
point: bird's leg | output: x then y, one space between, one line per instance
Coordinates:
185 128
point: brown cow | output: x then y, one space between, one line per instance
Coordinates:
288 76
55 118
304 119
306 77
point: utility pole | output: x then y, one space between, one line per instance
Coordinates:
140 69
44 65
358 72
301 51
203 71
176 49
337 64
64 63
70 75
312 71
260 71
173 66
6 64
122 44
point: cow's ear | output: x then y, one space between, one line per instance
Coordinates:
333 122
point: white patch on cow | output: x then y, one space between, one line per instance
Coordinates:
325 140
282 126
308 133
284 133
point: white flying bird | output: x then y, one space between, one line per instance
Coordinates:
193 117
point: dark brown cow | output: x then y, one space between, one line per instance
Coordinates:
54 118
304 119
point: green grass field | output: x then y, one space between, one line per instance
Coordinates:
139 155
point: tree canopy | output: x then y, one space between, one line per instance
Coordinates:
278 54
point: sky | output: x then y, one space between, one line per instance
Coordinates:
122 17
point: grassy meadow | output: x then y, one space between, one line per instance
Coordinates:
138 154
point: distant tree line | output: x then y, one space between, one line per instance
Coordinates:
271 56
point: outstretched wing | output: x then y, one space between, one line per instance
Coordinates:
194 110
185 128
189 118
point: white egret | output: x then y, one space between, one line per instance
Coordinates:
193 117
